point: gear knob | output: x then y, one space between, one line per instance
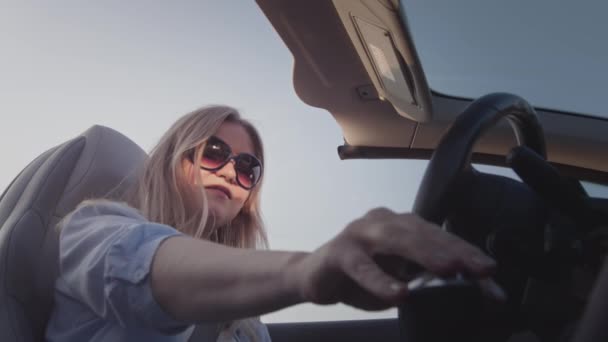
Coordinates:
441 309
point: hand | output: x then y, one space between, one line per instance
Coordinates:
345 269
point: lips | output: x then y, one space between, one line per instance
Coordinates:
223 189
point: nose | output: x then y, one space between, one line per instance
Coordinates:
228 172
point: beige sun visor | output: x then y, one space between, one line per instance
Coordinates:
354 59
385 47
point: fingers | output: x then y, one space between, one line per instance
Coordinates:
443 254
412 238
380 213
365 252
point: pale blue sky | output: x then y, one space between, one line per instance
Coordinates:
137 66
553 53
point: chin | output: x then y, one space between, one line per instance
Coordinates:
218 215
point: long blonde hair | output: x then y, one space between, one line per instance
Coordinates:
163 195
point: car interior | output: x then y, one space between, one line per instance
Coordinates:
358 61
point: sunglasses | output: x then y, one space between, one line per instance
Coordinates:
217 153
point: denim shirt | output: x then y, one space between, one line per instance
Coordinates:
103 290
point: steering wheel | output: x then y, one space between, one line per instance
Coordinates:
444 309
453 154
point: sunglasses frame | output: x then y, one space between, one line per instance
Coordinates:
235 157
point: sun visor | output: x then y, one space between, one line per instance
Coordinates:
387 52
333 70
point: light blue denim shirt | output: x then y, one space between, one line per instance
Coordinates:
103 290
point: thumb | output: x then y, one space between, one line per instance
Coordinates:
362 269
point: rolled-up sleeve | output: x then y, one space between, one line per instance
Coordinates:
106 252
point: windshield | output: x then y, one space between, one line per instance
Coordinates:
552 55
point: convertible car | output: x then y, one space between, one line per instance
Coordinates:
371 65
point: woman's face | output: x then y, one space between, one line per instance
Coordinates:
225 196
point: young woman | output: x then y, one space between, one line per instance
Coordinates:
183 248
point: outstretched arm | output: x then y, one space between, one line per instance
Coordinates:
197 280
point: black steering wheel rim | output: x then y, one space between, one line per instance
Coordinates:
453 154
453 310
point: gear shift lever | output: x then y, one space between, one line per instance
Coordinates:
440 309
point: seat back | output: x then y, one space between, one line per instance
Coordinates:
99 163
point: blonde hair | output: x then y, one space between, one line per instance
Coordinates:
162 193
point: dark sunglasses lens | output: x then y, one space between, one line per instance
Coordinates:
248 170
214 154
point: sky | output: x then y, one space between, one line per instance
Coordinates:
551 53
137 66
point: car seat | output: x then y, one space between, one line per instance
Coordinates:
101 162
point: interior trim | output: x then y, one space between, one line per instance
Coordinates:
346 152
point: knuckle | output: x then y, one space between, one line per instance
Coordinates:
377 232
410 216
379 212
355 227
417 222
458 243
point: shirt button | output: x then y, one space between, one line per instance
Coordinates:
139 274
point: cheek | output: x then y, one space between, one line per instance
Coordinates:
240 198
189 172
202 177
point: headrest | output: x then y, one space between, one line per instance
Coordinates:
108 165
